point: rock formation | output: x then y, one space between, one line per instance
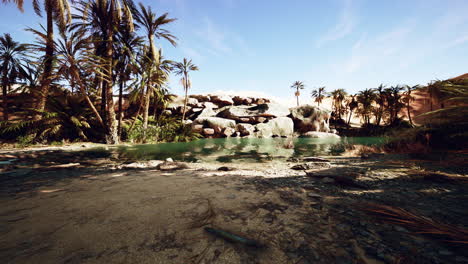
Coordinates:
226 116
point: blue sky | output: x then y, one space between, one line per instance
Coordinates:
266 45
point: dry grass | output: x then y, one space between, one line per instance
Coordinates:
417 223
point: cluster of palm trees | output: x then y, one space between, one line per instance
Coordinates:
101 46
380 104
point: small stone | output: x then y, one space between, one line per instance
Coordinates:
314 195
445 252
225 168
328 180
461 259
401 229
170 166
208 131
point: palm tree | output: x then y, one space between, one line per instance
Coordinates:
60 12
407 98
19 3
128 43
394 102
381 101
183 68
319 94
338 96
101 18
12 56
434 90
366 98
56 10
72 60
298 86
152 24
352 104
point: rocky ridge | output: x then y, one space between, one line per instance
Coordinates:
216 116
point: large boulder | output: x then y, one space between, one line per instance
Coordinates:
315 134
217 123
209 105
222 100
228 131
280 127
192 102
310 118
201 98
245 129
176 102
241 113
207 112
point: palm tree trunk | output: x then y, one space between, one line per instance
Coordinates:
350 115
111 135
297 96
137 114
5 96
88 100
49 56
5 101
186 96
120 117
146 110
409 113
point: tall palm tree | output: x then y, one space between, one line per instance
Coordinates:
319 94
380 100
352 104
12 56
366 98
394 101
60 12
72 60
101 19
298 85
183 68
407 98
128 43
338 96
152 24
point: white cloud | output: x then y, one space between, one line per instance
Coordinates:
366 51
219 41
456 42
215 37
192 53
344 27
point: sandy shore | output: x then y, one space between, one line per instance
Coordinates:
101 213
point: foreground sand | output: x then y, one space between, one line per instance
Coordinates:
99 214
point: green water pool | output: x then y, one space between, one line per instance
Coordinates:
239 149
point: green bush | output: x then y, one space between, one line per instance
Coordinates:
164 129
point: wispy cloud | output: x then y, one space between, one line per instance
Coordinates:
367 51
219 41
345 26
192 53
215 37
457 42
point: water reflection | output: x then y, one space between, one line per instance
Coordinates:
240 149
